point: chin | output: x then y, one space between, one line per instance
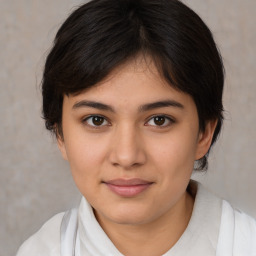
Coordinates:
130 216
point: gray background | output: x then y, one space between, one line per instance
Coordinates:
36 183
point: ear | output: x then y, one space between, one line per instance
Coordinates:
62 147
205 139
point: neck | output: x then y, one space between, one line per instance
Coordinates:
154 238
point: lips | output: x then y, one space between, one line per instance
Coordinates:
128 188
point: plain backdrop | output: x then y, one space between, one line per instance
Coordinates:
35 181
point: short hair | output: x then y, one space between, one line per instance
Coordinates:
103 34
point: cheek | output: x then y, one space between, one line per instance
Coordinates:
85 156
175 154
84 159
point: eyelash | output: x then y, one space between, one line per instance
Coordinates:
166 118
85 121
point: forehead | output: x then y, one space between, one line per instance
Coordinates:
135 82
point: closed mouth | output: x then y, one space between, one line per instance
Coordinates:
128 187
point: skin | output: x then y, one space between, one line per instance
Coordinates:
126 141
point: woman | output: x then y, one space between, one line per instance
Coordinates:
133 92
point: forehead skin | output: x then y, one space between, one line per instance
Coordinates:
127 79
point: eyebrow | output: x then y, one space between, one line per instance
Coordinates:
143 108
93 104
161 104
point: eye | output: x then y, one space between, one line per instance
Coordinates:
96 121
161 121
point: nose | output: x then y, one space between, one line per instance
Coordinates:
127 148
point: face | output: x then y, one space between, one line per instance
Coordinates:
131 142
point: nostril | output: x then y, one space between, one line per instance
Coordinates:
128 160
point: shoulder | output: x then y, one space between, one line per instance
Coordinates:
245 233
237 232
243 223
46 241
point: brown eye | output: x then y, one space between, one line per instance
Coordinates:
96 121
160 121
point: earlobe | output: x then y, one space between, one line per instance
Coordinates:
61 146
205 139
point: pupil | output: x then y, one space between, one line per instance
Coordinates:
97 120
159 120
